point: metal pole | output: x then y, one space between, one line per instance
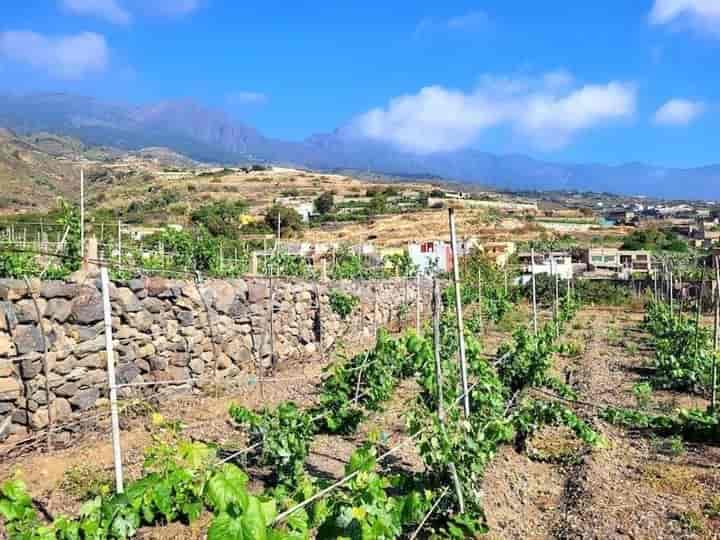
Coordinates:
716 348
458 311
82 213
534 291
115 421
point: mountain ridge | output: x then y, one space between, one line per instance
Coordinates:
210 135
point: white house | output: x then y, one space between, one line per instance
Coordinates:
554 263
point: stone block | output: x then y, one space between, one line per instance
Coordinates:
8 320
127 300
90 347
87 309
7 347
154 305
39 419
61 410
96 360
30 368
197 365
137 285
185 318
68 389
13 289
25 310
59 289
126 373
28 339
85 399
142 321
158 363
257 292
58 309
10 389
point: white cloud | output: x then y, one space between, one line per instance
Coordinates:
66 57
704 15
468 22
247 98
109 10
679 112
548 110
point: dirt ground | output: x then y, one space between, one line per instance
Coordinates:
634 487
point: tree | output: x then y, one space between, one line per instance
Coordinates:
221 218
655 240
290 221
324 203
378 205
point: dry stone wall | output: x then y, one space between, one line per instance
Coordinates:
164 330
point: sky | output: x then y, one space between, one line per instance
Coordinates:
608 82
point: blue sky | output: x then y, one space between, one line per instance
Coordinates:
610 81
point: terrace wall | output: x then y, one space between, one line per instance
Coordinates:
162 332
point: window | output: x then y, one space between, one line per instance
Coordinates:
609 258
426 247
597 258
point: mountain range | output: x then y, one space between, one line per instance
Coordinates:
210 135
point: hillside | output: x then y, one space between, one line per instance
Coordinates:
205 134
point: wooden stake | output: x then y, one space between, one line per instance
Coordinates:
459 314
417 304
114 418
437 310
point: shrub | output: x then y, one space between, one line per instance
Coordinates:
343 303
291 222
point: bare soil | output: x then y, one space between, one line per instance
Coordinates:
633 487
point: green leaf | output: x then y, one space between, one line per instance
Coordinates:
253 520
225 527
226 489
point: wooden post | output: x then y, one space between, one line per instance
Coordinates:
82 213
437 309
459 314
534 290
115 421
